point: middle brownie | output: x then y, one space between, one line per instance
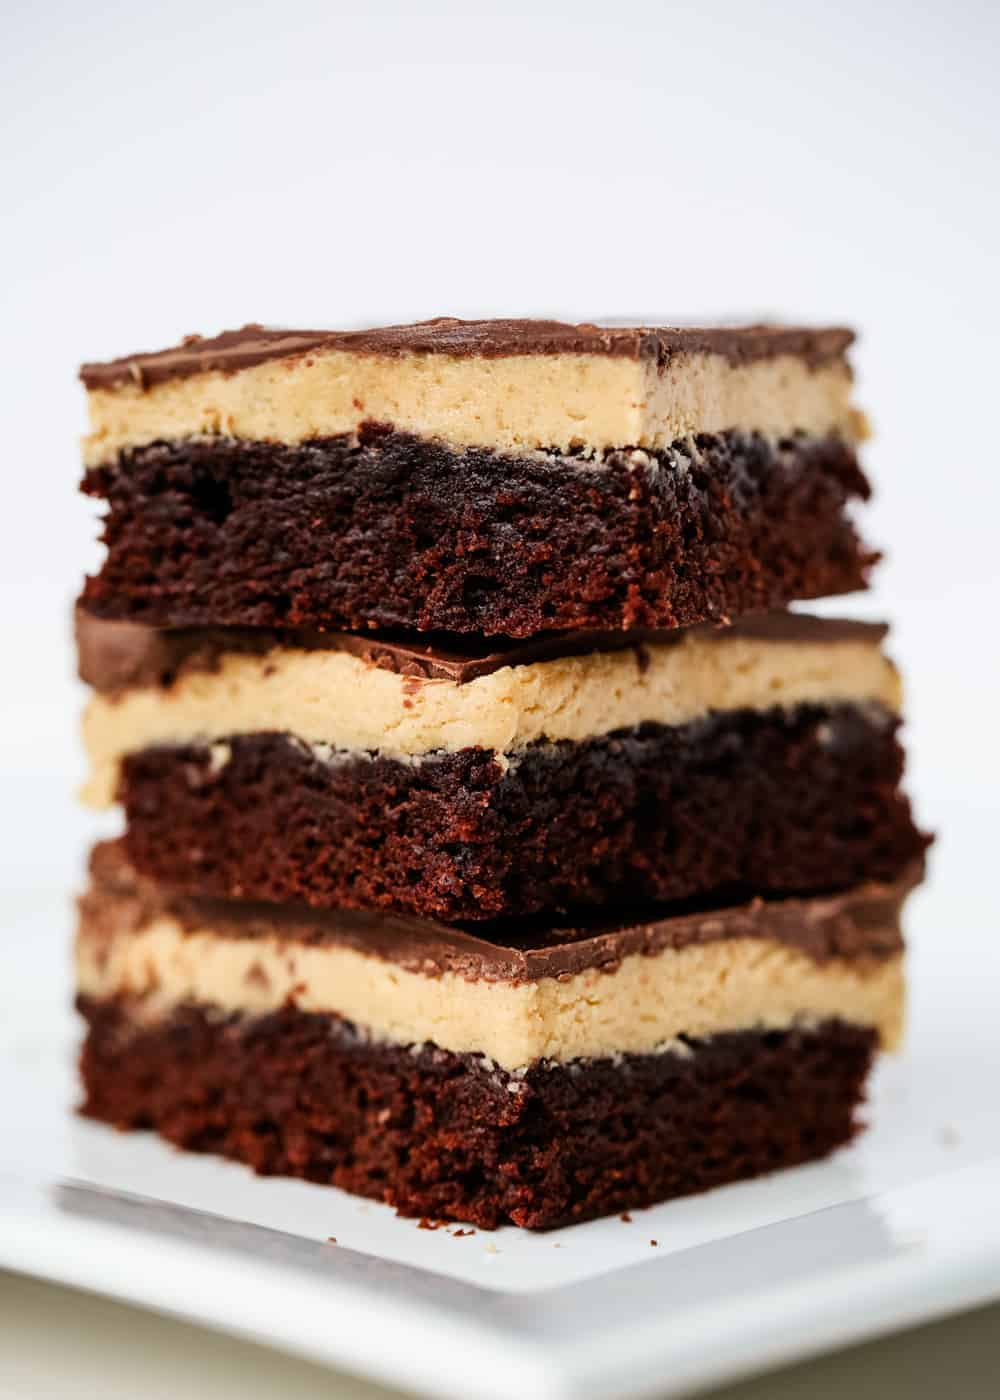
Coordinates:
456 784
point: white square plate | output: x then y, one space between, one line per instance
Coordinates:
901 1227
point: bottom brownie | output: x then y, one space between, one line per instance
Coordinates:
435 1133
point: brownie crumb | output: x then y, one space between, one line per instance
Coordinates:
578 1141
567 828
391 530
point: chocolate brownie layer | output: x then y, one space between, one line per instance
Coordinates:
518 385
451 1136
740 803
382 529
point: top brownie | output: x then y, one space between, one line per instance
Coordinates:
491 477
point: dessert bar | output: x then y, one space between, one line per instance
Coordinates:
562 1074
338 770
497 478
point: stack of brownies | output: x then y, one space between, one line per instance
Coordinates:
497 845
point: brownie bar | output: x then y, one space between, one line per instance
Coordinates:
451 1136
541 1073
386 529
774 801
475 784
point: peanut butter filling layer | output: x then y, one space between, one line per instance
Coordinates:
508 399
647 1003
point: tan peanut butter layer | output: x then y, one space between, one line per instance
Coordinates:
348 700
635 989
513 386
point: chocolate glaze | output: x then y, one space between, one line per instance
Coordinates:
861 923
253 345
113 656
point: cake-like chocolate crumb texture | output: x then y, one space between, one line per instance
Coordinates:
386 530
450 1136
861 923
254 344
740 803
